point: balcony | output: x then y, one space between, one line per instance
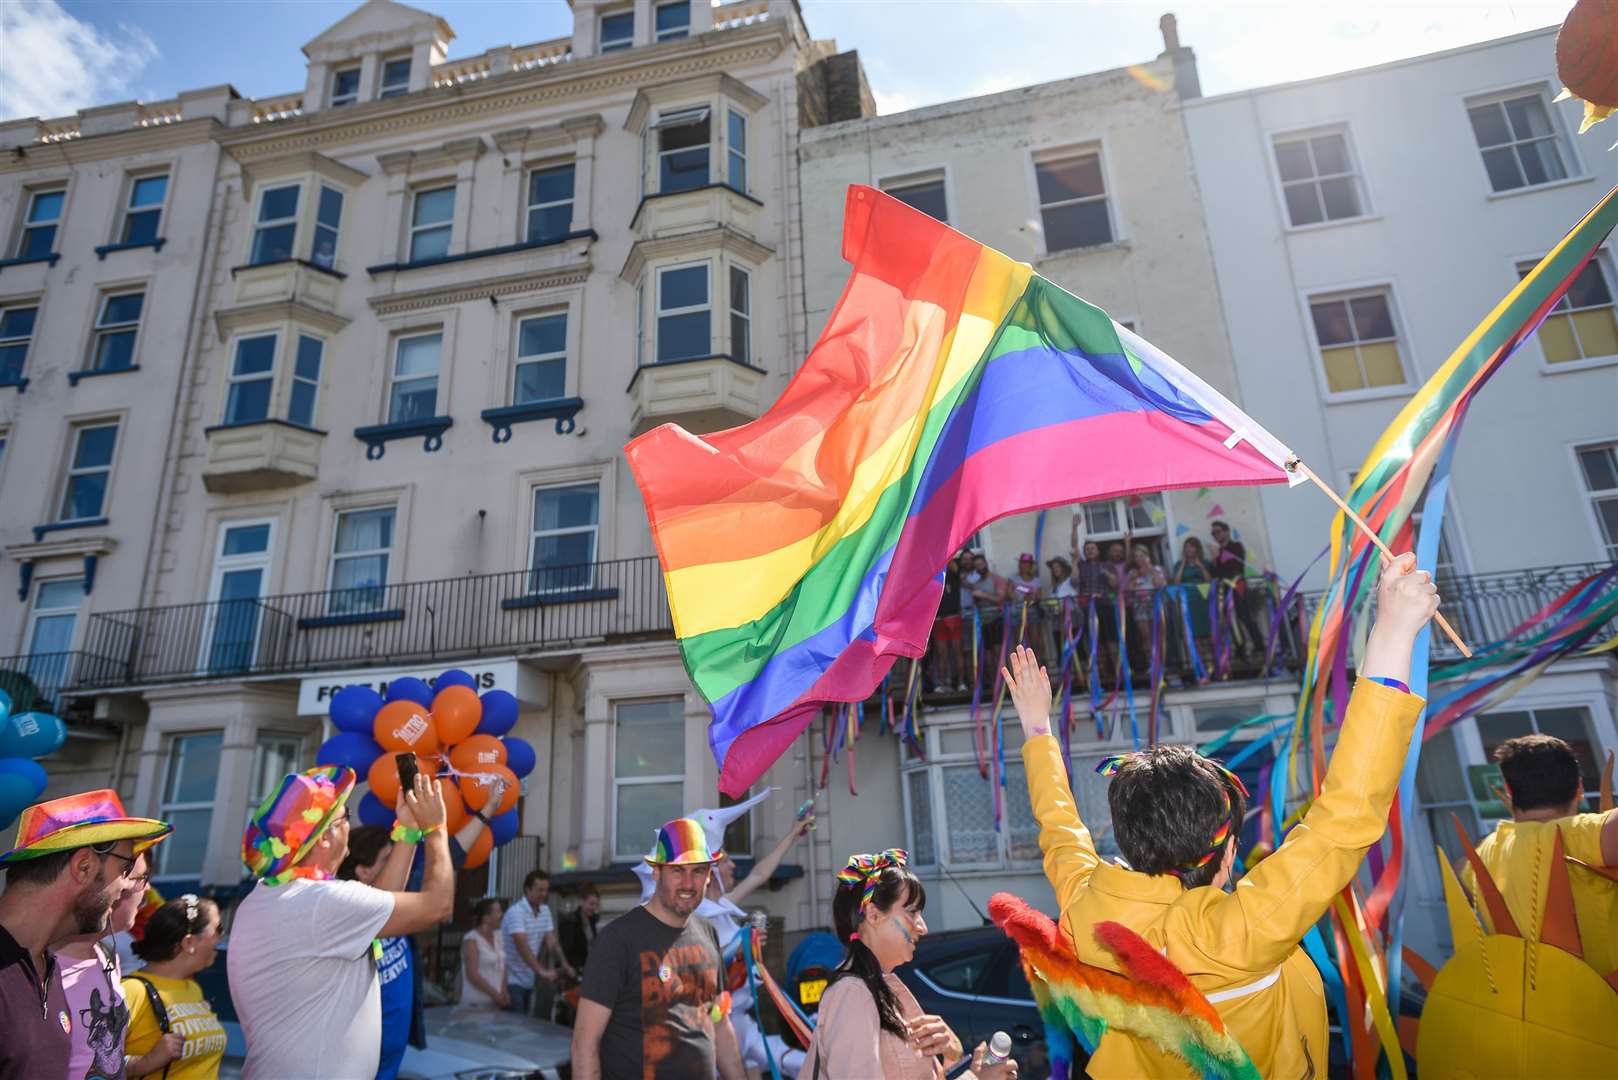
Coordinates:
677 213
558 609
708 393
287 281
260 456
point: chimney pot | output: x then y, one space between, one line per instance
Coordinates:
1171 32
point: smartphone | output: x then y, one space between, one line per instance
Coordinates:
407 770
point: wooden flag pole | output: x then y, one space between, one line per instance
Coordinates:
1387 554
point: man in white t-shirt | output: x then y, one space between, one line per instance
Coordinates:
301 960
532 955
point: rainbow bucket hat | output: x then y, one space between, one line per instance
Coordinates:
83 820
682 841
287 824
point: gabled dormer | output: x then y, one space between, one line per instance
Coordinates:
381 49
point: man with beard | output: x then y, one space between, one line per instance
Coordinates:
73 861
652 1005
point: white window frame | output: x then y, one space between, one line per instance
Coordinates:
1401 338
72 472
166 806
1571 163
588 579
1590 495
257 792
394 89
319 226
232 379
735 157
296 378
617 44
26 341
678 117
659 314
1592 726
914 178
640 325
135 179
677 33
1604 265
1356 175
58 668
744 354
353 603
636 853
934 765
339 101
520 358
530 207
224 564
29 224
104 329
260 226
393 369
1064 152
1123 517
416 229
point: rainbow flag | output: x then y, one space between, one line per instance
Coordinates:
952 386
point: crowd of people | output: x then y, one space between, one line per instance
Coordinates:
325 978
1120 582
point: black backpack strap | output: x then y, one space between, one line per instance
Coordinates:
155 1000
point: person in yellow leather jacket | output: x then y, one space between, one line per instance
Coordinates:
1176 814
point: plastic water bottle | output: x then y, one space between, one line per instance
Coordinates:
999 1049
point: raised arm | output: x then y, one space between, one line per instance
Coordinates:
766 866
1076 536
413 911
1070 854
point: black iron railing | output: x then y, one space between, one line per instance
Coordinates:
411 622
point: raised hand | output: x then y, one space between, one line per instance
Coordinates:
425 802
1405 597
1030 689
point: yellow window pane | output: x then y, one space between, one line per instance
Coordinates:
1342 370
1382 367
1556 338
1598 332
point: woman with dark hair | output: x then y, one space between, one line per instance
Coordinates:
166 1006
1193 570
483 959
869 1024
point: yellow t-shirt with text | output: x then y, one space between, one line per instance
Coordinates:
190 1017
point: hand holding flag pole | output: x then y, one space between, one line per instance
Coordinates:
1387 555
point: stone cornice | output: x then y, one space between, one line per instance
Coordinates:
506 92
494 288
90 148
680 90
78 547
228 320
719 238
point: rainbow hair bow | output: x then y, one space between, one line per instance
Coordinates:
865 871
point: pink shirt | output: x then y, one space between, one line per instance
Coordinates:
855 1047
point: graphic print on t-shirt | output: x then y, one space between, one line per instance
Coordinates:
104 1019
676 989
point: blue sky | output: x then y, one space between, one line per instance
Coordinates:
89 52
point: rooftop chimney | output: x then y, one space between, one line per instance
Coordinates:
1171 32
1186 83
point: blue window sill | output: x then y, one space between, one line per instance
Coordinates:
562 410
442 260
356 618
691 360
377 436
316 267
551 599
260 423
107 249
635 220
51 258
73 377
62 526
20 384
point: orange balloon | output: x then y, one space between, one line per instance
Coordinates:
405 725
475 789
456 712
480 850
384 776
477 751
454 807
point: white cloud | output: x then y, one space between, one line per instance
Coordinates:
69 63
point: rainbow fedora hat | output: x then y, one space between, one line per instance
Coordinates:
83 820
287 823
682 841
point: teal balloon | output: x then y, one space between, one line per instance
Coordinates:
354 707
499 713
5 705
21 784
411 688
503 826
31 735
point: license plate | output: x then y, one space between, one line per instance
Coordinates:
809 991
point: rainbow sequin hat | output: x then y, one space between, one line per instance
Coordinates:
682 842
287 824
83 820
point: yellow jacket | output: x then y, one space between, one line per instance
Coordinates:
1240 948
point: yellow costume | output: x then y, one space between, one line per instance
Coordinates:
1240 949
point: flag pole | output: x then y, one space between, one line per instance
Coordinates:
1438 616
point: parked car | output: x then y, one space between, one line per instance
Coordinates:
974 980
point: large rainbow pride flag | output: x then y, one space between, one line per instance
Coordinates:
952 386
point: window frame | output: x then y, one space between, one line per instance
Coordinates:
934 764
1064 151
658 314
394 344
531 572
353 604
743 355
915 178
384 89
63 666
257 225
678 779
334 100
101 330
233 380
680 116
603 47
132 181
71 472
735 158
316 226
1356 174
1533 707
27 225
414 230
295 378
519 358
1572 164
30 304
678 33
1352 291
1589 496
529 206
1606 265
166 805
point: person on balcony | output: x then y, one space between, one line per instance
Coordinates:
1024 593
1177 818
1141 582
1544 789
948 669
1230 567
1090 581
1193 570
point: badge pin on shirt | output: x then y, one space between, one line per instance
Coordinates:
665 973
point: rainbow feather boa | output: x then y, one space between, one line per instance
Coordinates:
1152 1000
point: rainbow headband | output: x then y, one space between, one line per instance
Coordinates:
865 872
1109 766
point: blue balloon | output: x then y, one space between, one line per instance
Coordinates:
31 735
499 713
21 783
520 756
354 707
411 689
372 811
503 826
454 677
350 748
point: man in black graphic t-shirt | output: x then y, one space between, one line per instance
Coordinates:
651 1006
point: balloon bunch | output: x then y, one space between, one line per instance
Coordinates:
23 737
455 734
